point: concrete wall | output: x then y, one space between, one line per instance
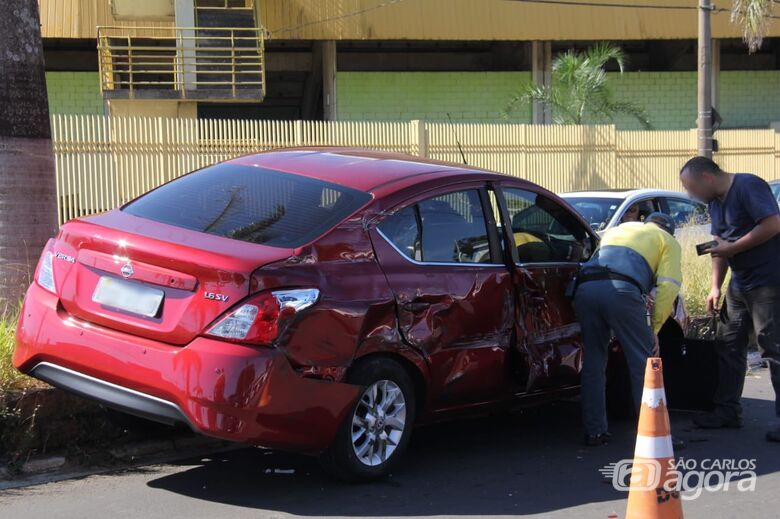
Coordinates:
401 96
74 93
79 93
153 108
749 99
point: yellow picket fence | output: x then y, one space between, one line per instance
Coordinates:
104 162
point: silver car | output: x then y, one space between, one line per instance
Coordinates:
775 185
608 208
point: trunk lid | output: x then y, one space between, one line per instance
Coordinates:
196 276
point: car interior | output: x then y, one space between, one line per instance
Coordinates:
453 234
646 208
454 230
594 214
685 212
545 232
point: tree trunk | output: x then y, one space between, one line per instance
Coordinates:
28 210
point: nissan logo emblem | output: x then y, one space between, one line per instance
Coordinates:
127 270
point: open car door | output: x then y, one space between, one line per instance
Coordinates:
547 242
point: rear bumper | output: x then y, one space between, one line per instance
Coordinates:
117 397
220 389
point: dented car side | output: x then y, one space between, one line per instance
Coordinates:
438 291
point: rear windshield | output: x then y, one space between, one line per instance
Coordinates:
250 204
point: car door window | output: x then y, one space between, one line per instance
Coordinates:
402 230
645 207
544 231
686 212
448 228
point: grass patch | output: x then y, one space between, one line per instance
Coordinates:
10 377
696 271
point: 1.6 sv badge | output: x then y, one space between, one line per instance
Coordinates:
215 297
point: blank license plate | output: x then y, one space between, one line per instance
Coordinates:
128 296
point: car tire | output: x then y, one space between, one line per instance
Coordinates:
377 428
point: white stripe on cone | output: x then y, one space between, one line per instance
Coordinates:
653 397
654 446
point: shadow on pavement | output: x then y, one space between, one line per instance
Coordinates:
521 463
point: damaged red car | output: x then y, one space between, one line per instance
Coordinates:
315 300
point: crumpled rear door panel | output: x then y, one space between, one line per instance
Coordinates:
460 317
550 342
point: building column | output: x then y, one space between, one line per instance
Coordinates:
184 13
329 94
312 89
541 75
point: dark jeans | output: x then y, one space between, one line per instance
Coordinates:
604 307
758 310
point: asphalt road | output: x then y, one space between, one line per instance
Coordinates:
527 464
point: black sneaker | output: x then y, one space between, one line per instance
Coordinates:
594 440
715 421
773 435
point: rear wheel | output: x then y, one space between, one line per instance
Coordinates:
376 431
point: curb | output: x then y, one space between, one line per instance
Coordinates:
135 450
41 465
56 467
34 466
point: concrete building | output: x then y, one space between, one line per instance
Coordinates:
387 60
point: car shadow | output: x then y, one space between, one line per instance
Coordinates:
517 463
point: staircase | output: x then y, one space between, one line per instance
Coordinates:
219 60
227 56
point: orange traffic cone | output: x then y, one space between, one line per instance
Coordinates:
653 492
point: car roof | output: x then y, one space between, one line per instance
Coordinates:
622 194
366 170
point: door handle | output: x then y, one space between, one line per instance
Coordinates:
416 307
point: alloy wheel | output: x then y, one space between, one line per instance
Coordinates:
379 422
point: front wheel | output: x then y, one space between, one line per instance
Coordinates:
375 433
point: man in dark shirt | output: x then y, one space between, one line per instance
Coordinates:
746 226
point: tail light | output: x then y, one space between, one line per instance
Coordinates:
257 320
45 276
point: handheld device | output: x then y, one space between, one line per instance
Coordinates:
704 248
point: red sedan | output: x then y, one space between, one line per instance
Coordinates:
316 300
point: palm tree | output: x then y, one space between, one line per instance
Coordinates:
754 16
579 93
28 208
